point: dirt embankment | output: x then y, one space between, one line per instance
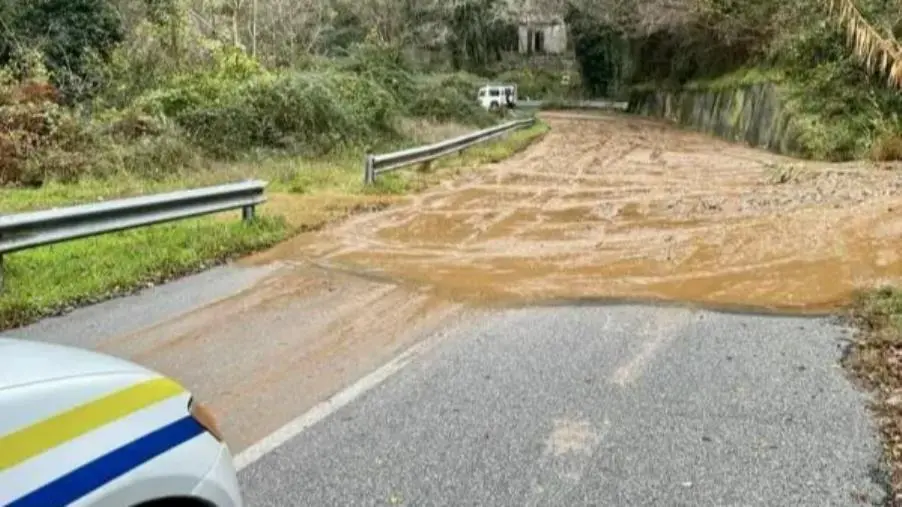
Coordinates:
623 207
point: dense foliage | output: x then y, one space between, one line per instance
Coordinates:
154 86
97 96
841 107
70 34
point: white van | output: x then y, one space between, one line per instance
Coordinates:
494 97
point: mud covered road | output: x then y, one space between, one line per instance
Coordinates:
749 410
621 207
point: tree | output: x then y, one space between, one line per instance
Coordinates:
599 51
879 52
478 34
67 32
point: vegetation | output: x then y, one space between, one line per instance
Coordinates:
833 60
304 194
49 280
107 98
873 358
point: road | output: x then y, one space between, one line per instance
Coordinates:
466 347
611 405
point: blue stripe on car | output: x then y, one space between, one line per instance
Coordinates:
93 475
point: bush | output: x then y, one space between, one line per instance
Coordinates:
314 113
154 157
34 127
462 82
450 97
887 148
190 91
540 84
385 65
41 140
66 33
229 108
838 108
443 97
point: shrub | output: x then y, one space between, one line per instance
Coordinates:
838 109
539 83
463 82
313 113
229 70
450 97
32 126
386 65
231 107
42 140
887 148
237 106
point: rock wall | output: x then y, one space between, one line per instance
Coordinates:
750 113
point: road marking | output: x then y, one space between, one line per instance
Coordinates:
662 330
323 410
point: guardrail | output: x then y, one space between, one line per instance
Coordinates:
387 162
23 231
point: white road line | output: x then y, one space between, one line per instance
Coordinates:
662 330
325 409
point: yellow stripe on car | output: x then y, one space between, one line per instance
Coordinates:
42 436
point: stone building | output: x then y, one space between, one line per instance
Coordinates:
543 35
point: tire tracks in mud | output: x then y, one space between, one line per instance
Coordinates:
614 206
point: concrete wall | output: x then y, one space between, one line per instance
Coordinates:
749 113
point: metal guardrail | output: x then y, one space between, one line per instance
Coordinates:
387 162
22 231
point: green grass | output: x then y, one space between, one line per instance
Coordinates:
736 79
45 281
304 195
511 144
345 176
874 359
341 174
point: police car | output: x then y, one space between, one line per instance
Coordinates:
88 430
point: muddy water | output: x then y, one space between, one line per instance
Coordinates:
622 207
261 357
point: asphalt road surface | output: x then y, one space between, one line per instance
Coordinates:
607 405
570 405
434 374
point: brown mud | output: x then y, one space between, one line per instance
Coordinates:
265 355
613 206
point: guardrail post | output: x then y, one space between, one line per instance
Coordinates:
247 213
369 172
1 272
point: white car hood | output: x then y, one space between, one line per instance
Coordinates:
27 362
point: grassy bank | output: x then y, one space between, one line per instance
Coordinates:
304 195
875 360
